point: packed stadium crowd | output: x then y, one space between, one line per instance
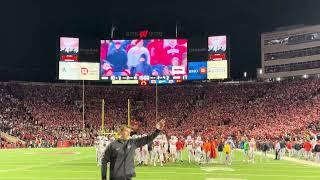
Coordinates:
41 115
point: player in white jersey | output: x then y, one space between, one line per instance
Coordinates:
189 144
165 148
96 143
144 152
252 147
157 150
173 148
198 149
137 151
101 147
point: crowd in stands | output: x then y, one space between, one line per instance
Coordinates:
44 114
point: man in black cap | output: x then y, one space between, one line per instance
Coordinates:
120 153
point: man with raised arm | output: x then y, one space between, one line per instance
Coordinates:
120 153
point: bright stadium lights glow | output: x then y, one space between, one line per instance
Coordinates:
260 71
305 76
278 79
245 74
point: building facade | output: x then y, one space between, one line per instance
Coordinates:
290 52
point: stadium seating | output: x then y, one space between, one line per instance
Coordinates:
43 114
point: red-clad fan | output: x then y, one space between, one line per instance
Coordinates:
213 153
157 55
173 50
179 145
104 48
289 148
307 148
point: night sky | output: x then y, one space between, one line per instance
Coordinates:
30 29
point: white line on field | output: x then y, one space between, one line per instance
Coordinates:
269 175
309 163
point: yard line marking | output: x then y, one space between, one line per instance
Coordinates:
298 161
210 169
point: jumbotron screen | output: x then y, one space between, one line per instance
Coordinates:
69 49
218 60
217 47
143 59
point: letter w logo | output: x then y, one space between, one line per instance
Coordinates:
143 34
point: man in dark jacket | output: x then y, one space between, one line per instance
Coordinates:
120 153
143 68
264 148
118 58
282 148
297 148
317 151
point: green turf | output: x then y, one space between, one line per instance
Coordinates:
64 164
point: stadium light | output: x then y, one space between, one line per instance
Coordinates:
245 74
305 76
260 71
278 79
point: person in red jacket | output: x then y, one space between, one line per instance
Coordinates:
307 146
289 148
179 145
104 48
157 55
213 153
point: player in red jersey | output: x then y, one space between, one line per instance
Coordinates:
179 145
307 146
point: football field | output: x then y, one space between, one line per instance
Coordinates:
80 164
